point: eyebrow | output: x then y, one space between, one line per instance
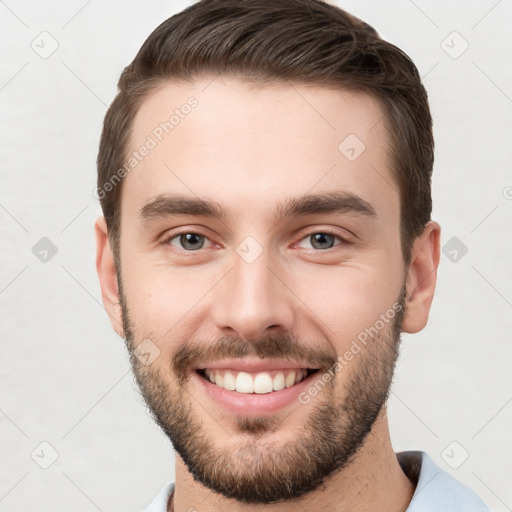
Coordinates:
168 205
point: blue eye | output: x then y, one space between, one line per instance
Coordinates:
319 240
188 241
323 240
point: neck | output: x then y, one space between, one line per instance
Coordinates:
373 481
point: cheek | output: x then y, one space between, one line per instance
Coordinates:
161 301
344 302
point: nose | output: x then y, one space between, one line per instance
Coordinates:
253 301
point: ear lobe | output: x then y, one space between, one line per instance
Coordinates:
422 278
105 266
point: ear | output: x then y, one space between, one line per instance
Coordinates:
422 277
107 274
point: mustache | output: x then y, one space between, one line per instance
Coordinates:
279 346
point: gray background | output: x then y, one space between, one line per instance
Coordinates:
65 377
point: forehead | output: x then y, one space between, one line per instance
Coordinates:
254 144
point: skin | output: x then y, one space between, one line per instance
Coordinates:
249 148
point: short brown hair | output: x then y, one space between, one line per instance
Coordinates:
304 41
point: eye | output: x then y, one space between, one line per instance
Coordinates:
323 240
189 241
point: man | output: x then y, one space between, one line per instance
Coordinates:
264 174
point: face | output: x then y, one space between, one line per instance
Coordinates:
303 270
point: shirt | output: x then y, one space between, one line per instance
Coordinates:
436 490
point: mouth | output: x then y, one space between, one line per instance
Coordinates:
252 382
258 393
253 386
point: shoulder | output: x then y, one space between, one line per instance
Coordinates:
159 503
436 489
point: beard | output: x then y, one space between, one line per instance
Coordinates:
247 468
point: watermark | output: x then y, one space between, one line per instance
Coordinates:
146 352
355 348
454 249
250 455
45 45
454 45
151 142
455 455
44 455
44 250
249 249
351 147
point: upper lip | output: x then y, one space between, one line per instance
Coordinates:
253 364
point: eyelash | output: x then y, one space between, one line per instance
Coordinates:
343 240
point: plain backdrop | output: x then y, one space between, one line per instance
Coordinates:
68 401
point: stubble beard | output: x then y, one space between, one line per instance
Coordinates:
251 468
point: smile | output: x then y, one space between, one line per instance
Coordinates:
253 393
255 382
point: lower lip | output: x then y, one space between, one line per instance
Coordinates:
248 404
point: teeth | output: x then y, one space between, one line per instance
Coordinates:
229 381
260 383
278 382
244 383
290 380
